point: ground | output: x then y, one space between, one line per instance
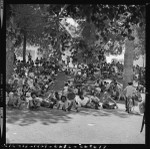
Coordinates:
88 126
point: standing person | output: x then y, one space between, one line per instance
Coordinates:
142 111
129 91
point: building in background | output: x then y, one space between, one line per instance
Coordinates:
33 52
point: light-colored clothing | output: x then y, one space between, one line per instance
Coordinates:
40 99
82 102
30 82
65 91
106 98
94 98
129 91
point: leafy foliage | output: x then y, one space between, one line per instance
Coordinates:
104 24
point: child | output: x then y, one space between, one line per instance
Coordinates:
14 100
35 102
64 104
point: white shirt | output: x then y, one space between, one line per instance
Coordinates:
80 101
129 90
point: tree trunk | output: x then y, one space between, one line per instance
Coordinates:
24 47
128 63
9 63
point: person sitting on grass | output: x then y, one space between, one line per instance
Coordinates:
82 101
65 89
65 104
35 102
115 92
57 96
107 99
95 101
70 83
49 102
14 100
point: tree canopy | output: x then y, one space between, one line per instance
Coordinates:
103 27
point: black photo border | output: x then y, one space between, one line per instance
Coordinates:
3 78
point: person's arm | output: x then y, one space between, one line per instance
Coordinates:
124 91
112 100
14 102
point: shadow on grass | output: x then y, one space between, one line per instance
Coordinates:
104 112
51 116
45 115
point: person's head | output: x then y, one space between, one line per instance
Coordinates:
56 93
66 84
130 83
98 81
81 95
24 86
15 92
15 81
33 95
108 90
63 98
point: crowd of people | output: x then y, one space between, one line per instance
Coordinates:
31 86
106 71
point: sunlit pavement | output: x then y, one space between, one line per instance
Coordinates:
89 126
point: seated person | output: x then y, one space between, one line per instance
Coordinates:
57 96
8 87
115 93
15 84
25 89
52 99
94 100
71 94
48 103
70 83
97 83
65 90
34 103
61 104
14 100
82 101
65 104
75 90
107 99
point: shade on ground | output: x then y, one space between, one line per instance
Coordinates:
89 126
